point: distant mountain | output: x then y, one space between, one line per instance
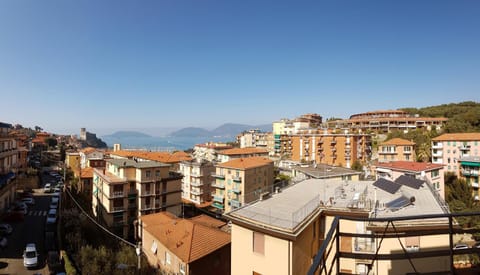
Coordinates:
225 130
127 134
191 132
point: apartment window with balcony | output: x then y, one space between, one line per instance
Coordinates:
258 243
148 174
157 173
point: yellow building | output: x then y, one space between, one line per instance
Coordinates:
72 160
9 156
127 189
241 181
283 233
396 149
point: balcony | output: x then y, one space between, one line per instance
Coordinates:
464 148
235 203
237 179
116 194
147 207
118 209
218 205
437 154
145 193
437 146
196 175
218 185
218 198
196 184
474 184
236 191
196 192
218 176
333 142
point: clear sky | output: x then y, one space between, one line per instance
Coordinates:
173 63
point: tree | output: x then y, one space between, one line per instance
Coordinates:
38 129
51 142
357 166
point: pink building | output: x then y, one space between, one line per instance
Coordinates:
448 149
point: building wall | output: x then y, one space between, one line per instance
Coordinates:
396 153
158 259
450 152
276 259
196 181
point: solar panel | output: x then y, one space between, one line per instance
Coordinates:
409 181
398 203
386 185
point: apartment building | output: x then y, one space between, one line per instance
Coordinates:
91 157
235 153
85 184
8 166
72 161
431 173
396 149
290 127
448 149
185 246
338 148
196 181
283 233
256 138
470 171
240 181
126 189
385 121
209 151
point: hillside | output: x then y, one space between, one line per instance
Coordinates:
462 117
191 132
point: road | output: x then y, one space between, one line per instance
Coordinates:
30 230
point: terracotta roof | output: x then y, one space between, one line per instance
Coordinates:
208 221
212 145
410 166
164 157
187 239
88 150
458 137
243 151
87 172
246 163
398 141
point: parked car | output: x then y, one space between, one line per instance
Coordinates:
47 188
3 242
54 204
459 246
53 262
28 201
5 228
52 216
30 256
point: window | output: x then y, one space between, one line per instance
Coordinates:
167 258
181 267
147 173
407 157
258 242
435 173
154 247
157 173
412 244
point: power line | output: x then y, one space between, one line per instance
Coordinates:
95 222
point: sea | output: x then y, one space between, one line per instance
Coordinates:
161 143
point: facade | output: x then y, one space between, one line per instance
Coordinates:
432 173
469 170
72 160
257 139
291 127
126 189
387 120
196 181
448 149
241 181
91 157
193 246
283 233
339 148
209 151
235 153
396 149
85 183
8 167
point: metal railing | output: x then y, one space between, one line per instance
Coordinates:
328 258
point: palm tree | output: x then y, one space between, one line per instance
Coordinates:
424 151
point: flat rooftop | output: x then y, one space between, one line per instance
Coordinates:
136 164
323 171
288 209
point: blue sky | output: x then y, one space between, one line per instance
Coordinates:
138 64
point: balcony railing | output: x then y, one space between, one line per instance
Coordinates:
218 198
474 184
218 185
117 194
236 190
238 179
220 176
118 208
437 146
196 175
197 184
437 154
328 258
196 192
218 205
235 203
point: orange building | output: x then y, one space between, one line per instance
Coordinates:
339 149
396 149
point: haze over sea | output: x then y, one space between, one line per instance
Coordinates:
161 143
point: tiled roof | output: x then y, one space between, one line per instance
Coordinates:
136 164
88 150
246 163
212 145
208 221
87 172
398 141
164 157
187 239
243 151
458 137
410 166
